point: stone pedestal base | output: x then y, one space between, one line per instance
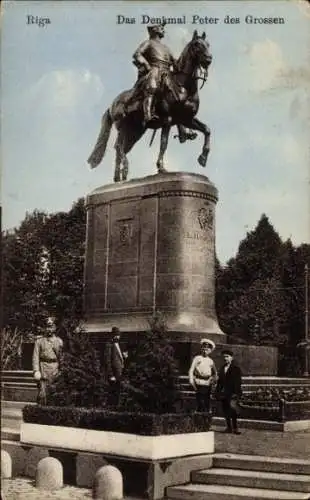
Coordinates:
151 247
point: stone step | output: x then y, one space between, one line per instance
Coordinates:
259 463
220 492
270 381
11 412
24 383
11 417
16 379
9 434
14 404
256 479
21 373
255 387
11 423
16 392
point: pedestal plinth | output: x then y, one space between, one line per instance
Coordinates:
151 246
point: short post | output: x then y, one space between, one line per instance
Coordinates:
282 410
108 484
6 465
49 474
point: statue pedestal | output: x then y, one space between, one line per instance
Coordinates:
151 247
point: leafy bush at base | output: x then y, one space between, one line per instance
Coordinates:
152 373
81 381
143 424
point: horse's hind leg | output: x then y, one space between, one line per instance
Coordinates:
163 148
132 134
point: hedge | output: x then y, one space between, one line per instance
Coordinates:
145 424
271 395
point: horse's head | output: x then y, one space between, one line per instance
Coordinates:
199 49
195 56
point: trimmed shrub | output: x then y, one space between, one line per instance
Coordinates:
143 424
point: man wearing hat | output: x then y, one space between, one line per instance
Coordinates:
114 365
202 375
154 62
229 390
46 360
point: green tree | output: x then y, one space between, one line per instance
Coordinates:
64 243
23 287
81 382
249 289
152 373
258 254
43 263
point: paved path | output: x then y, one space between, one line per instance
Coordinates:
250 442
24 489
268 443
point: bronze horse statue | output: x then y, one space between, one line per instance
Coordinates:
128 119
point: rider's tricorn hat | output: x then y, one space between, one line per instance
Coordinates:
153 27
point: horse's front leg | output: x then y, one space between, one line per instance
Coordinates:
118 159
196 124
163 147
117 170
125 168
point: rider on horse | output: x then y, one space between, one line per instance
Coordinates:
155 65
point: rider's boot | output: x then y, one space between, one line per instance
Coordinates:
182 133
147 109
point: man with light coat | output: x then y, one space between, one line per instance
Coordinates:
46 360
202 375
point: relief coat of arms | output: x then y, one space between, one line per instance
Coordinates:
205 217
125 231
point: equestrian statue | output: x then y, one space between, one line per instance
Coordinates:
166 93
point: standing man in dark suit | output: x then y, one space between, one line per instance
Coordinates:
114 366
229 390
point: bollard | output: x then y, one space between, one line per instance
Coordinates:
49 474
33 457
6 465
108 484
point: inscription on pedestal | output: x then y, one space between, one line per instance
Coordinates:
186 265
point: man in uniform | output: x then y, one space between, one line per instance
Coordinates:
155 64
46 360
203 374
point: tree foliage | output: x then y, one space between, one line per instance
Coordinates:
81 382
260 293
152 373
43 269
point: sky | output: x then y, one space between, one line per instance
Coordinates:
58 79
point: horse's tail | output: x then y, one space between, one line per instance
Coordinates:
102 141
